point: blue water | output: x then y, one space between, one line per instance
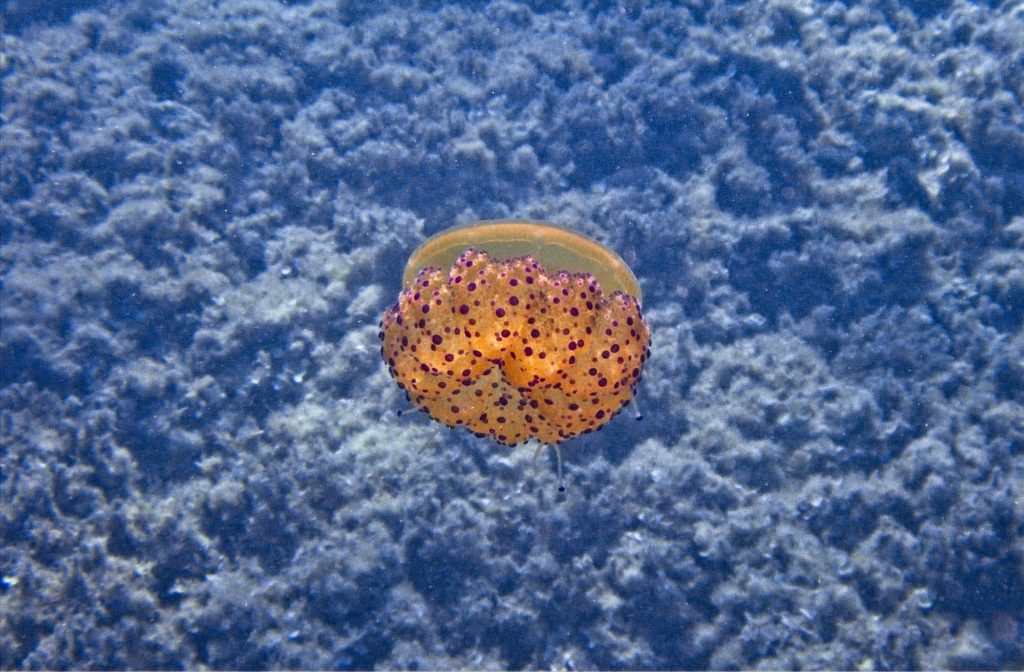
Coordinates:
207 208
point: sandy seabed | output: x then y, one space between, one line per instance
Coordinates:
206 209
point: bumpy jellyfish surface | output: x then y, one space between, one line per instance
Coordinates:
510 351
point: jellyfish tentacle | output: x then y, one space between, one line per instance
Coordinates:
558 460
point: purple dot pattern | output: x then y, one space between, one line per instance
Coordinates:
513 352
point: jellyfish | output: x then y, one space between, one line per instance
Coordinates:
517 330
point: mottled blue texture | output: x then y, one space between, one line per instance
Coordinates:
207 206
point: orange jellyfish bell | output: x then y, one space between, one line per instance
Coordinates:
517 330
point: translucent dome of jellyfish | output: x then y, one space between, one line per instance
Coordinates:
517 330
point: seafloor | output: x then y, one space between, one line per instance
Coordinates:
206 208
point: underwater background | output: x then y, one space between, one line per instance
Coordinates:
207 207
